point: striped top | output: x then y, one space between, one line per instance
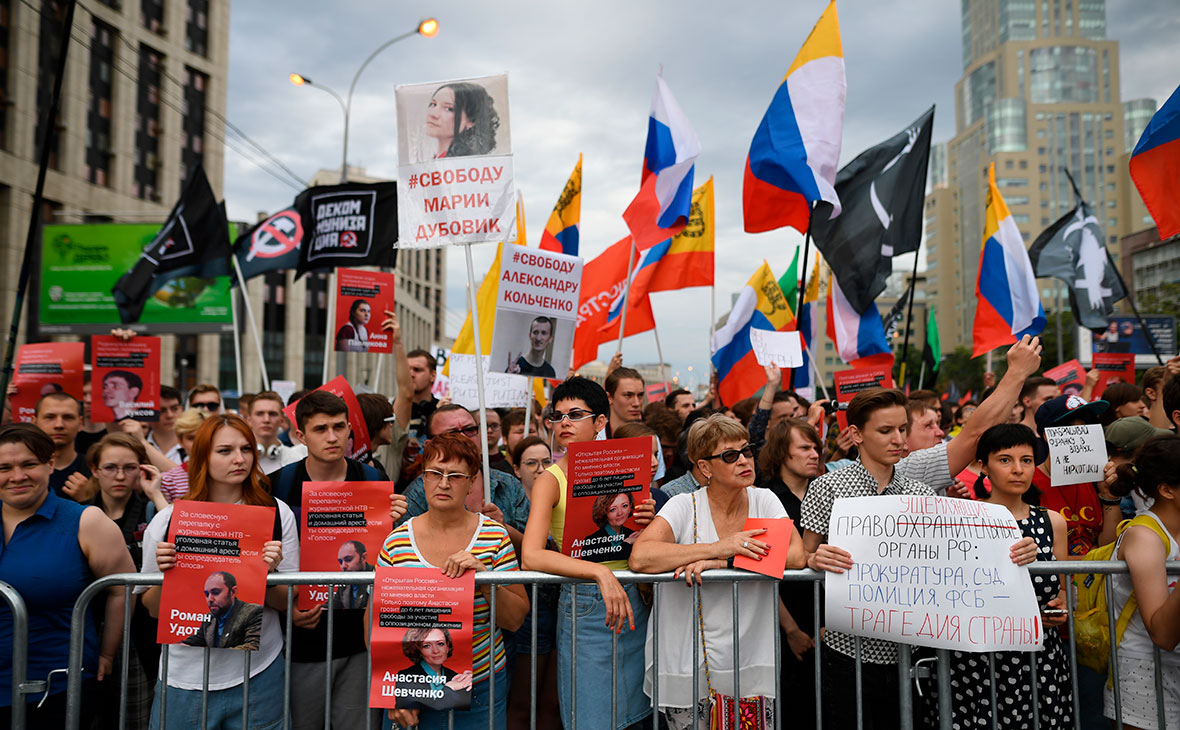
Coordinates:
490 545
174 482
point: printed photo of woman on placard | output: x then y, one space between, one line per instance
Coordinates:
444 688
354 335
461 118
610 511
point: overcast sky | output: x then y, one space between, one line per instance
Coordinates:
581 79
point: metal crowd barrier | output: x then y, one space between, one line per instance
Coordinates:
20 652
908 671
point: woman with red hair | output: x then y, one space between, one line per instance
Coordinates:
223 468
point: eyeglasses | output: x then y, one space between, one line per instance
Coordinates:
537 464
729 456
574 415
210 405
110 470
467 431
434 477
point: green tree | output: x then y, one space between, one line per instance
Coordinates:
1165 300
1069 339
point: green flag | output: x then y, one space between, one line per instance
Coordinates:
932 352
789 282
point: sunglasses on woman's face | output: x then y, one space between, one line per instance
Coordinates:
574 414
729 456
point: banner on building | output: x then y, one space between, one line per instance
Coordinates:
1125 334
455 163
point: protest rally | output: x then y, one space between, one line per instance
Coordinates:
356 447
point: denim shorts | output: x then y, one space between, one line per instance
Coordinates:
225 705
475 718
594 660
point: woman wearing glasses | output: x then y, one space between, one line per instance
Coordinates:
606 612
454 540
700 531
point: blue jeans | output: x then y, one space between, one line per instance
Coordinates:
594 660
225 705
475 718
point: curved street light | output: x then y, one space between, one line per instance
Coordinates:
427 28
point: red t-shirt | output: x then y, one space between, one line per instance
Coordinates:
969 478
1079 505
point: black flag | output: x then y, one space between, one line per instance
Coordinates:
271 245
350 224
193 242
1072 250
883 191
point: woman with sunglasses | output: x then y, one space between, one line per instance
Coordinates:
453 539
606 612
700 531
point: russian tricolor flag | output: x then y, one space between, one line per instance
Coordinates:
662 207
1007 305
760 305
859 338
561 232
795 152
1155 167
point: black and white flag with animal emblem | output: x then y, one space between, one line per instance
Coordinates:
1072 250
193 242
883 192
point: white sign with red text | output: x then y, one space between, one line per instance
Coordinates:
536 311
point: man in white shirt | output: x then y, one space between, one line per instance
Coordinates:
265 419
162 434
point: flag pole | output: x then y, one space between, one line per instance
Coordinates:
922 375
483 409
330 315
626 297
233 310
528 410
803 271
815 376
250 318
909 317
26 264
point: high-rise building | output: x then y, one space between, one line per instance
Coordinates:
1039 95
143 101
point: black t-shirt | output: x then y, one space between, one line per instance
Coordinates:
57 480
544 370
85 439
420 413
131 524
348 626
797 596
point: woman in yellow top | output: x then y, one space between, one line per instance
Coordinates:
605 612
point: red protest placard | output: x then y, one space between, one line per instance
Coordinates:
656 392
421 639
1070 377
44 368
344 525
851 382
606 480
1113 367
125 378
778 536
359 438
362 298
214 594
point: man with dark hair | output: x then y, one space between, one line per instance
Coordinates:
680 402
423 370
1152 384
877 420
321 423
265 416
509 505
931 398
60 416
513 429
667 426
624 390
384 430
353 558
162 434
496 458
1036 390
120 391
232 623
1171 398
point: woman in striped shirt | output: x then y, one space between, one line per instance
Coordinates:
453 539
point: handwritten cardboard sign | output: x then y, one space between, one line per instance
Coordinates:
931 571
501 390
1077 454
783 349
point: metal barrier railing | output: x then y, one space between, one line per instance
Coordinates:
20 653
908 671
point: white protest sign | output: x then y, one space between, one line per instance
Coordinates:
536 312
783 349
500 389
1077 454
931 571
455 182
285 388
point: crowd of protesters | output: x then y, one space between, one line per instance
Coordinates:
82 500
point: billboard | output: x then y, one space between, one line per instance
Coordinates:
1124 334
80 263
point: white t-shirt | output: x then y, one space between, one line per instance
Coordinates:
1136 641
757 609
225 665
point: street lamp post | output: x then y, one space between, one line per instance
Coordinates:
428 28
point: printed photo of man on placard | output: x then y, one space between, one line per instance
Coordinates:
120 391
535 361
232 623
353 558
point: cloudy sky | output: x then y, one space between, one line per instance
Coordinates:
581 78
